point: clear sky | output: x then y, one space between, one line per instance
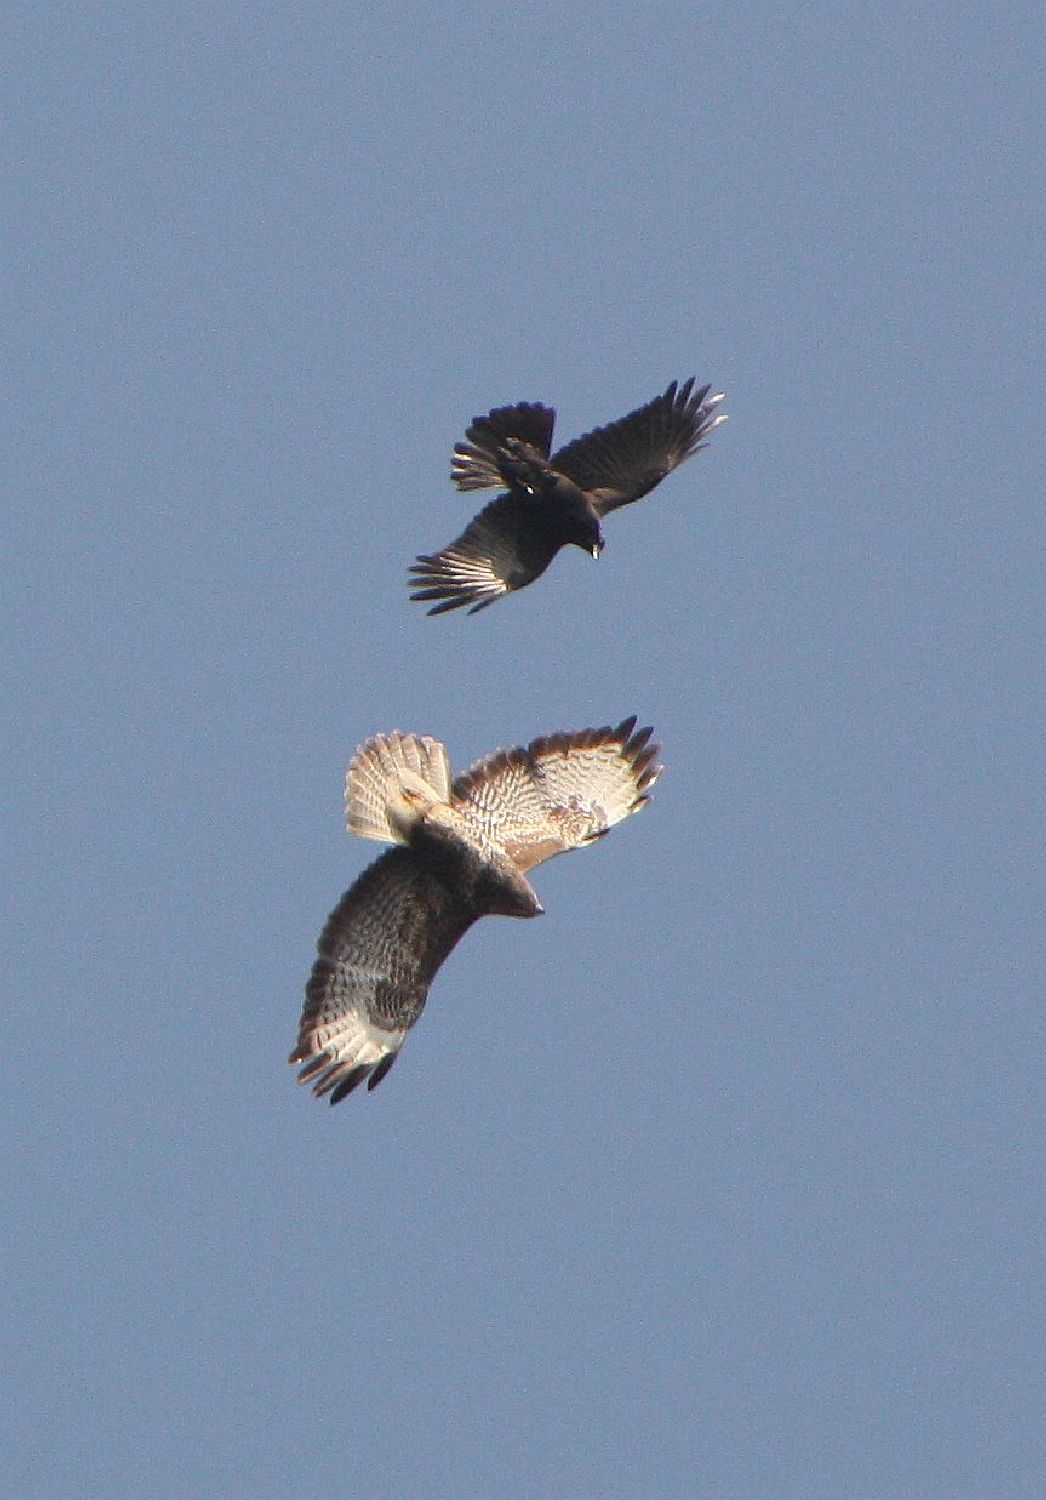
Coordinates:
719 1179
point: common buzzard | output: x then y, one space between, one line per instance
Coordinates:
465 847
550 502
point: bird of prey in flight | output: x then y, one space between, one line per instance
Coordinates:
550 501
464 850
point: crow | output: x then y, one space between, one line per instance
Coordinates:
552 501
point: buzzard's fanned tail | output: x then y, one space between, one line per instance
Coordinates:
383 772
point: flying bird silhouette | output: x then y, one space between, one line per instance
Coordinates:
465 847
552 501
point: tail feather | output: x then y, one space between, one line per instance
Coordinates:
385 768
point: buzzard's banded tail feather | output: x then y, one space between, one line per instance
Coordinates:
390 779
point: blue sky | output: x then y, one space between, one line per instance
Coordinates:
719 1179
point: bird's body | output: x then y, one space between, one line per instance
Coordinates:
466 849
455 848
553 500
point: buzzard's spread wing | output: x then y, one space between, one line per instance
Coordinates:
506 547
622 462
378 954
560 792
476 464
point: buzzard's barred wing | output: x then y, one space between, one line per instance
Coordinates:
560 792
378 954
386 765
505 547
476 464
625 460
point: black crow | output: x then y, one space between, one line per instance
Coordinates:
550 501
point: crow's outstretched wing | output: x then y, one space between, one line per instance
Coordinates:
504 548
622 462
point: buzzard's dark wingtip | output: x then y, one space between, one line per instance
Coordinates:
380 1070
313 1063
642 754
352 1080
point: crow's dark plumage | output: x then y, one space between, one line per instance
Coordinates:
552 501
